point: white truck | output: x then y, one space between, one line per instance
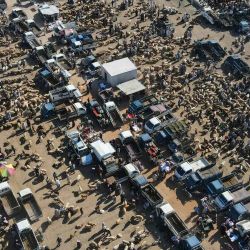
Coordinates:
41 54
28 200
63 61
71 111
8 200
186 168
102 150
130 145
227 198
62 94
26 235
171 220
156 123
33 27
243 227
55 68
31 40
79 147
113 114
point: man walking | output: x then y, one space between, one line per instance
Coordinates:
59 241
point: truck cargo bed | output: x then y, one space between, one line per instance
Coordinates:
29 240
116 119
151 195
32 208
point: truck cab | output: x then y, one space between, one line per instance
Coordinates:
152 124
26 235
223 200
191 243
131 170
243 227
238 212
215 187
80 148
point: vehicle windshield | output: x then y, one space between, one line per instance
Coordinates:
223 199
149 125
180 171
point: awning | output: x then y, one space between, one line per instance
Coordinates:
49 10
131 87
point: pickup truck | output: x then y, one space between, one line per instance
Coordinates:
55 68
209 49
63 111
227 198
18 13
147 144
113 114
71 111
130 145
174 130
98 113
175 225
156 123
62 94
46 80
8 200
147 191
150 111
33 27
190 242
31 40
106 95
186 168
63 61
121 174
198 179
79 147
239 211
136 106
41 55
171 220
227 183
28 200
237 66
26 235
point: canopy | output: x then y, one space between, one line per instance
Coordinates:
131 87
102 150
49 10
6 169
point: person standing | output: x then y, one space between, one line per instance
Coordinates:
55 176
58 183
81 211
78 244
68 179
59 241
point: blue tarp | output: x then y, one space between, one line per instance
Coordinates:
145 138
45 73
87 159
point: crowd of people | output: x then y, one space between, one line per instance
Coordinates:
215 105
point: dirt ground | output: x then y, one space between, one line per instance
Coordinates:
169 190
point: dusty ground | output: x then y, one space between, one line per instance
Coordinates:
173 195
